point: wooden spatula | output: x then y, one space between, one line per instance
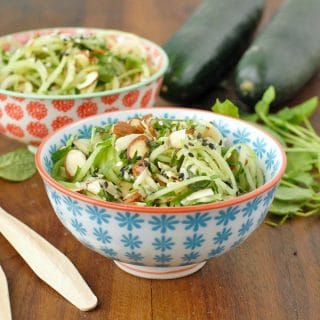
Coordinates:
47 262
5 310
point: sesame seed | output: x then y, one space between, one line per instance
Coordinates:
190 154
211 146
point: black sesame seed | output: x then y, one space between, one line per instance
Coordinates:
211 146
228 184
181 175
186 146
220 143
190 144
190 154
204 142
198 136
105 184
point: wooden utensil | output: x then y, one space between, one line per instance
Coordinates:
5 309
49 264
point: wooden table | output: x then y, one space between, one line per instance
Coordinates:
273 275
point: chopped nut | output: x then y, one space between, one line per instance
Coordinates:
121 129
138 147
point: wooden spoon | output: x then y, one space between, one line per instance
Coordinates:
5 309
49 264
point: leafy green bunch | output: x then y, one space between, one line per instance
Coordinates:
298 193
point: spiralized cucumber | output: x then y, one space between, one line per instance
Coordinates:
158 162
60 65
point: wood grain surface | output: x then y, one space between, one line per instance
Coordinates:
275 274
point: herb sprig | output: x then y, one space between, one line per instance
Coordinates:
298 194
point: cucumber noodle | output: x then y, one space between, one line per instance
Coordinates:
157 162
60 64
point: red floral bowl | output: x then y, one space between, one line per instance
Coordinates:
31 117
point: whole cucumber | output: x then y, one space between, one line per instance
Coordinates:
286 54
210 42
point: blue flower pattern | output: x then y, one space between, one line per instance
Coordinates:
163 223
194 242
222 236
129 221
165 243
259 146
228 215
251 207
96 214
241 136
189 257
73 206
78 226
163 258
85 132
131 241
194 222
109 252
245 227
216 251
162 244
102 235
270 159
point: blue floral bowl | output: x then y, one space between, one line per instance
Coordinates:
164 243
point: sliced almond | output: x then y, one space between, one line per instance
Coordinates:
90 79
121 129
177 139
132 197
83 145
138 167
147 118
122 143
209 131
137 124
138 147
75 159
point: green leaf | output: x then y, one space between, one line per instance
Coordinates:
300 112
279 207
293 194
17 165
299 162
227 108
263 106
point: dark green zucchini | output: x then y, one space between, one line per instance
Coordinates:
286 54
204 49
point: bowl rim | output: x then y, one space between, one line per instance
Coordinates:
99 94
161 210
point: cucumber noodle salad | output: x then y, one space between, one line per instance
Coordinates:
157 162
60 64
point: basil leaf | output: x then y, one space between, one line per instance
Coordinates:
17 165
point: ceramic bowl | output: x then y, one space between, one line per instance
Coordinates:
29 118
164 243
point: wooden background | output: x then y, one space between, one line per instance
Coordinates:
273 275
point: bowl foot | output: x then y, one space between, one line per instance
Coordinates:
160 272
